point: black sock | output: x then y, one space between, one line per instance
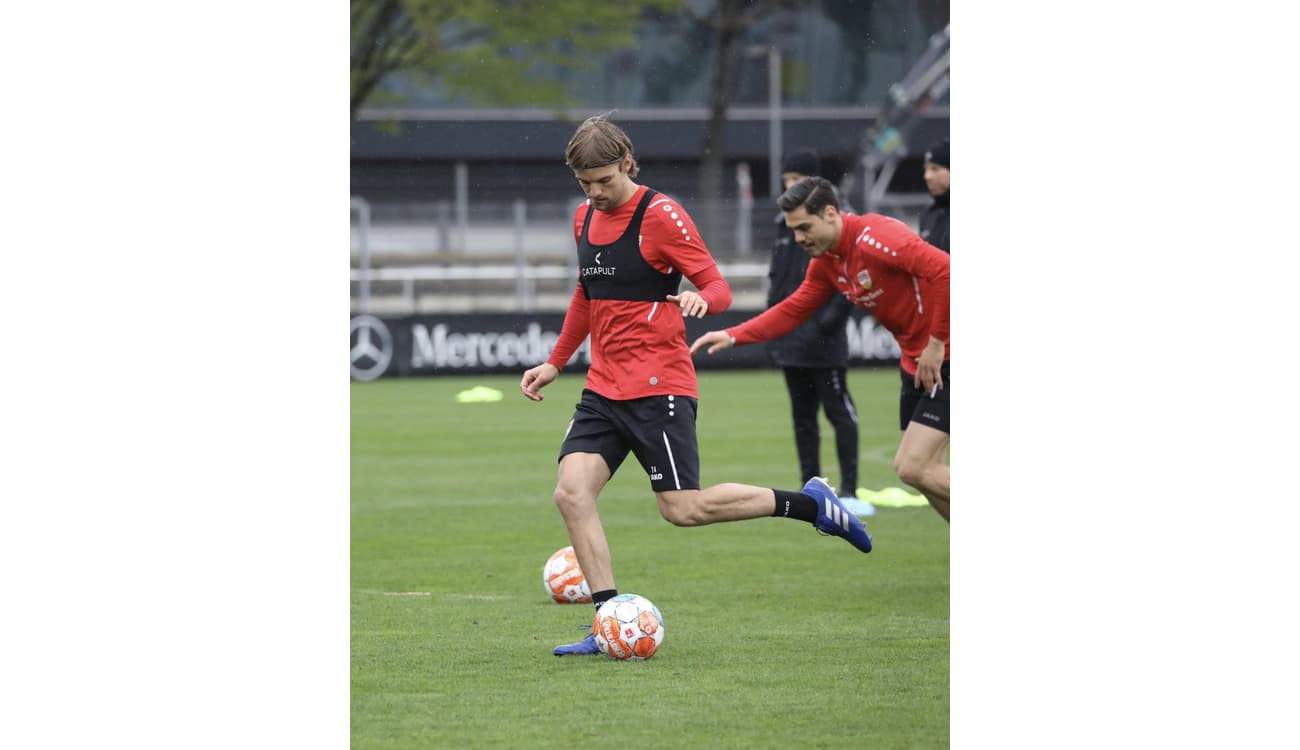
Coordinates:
600 597
795 505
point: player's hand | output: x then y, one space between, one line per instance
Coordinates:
692 304
537 378
715 340
928 373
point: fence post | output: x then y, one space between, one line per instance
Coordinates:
744 222
774 120
362 207
462 204
442 215
523 283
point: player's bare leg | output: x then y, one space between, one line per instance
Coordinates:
816 503
582 476
938 503
921 463
722 502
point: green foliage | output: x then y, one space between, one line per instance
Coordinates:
487 50
775 636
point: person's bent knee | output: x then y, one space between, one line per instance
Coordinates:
679 516
570 501
910 470
679 510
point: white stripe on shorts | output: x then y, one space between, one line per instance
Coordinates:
671 461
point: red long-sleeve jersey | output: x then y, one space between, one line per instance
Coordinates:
883 267
639 348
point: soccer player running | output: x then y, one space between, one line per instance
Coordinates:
634 246
902 281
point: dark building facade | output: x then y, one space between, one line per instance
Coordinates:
411 155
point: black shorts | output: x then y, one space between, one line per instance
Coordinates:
917 405
659 430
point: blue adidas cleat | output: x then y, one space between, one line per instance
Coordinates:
583 647
833 518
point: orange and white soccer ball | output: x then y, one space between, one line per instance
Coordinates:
628 627
563 578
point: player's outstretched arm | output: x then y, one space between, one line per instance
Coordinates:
715 340
536 379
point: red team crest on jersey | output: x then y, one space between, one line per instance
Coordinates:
866 298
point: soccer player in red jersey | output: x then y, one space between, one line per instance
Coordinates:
634 247
882 266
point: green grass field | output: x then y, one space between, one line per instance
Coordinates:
775 637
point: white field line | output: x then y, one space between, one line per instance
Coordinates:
476 597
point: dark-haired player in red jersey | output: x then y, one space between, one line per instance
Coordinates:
882 266
634 247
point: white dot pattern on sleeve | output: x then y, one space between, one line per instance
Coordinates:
873 242
673 215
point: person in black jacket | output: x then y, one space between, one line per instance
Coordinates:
813 357
934 222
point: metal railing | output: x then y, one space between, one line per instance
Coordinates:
510 261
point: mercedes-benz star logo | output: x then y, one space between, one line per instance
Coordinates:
372 347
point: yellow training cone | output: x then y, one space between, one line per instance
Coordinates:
479 394
892 497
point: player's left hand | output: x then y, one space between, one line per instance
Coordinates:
928 373
692 304
537 378
715 340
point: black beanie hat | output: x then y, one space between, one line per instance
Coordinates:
804 161
938 154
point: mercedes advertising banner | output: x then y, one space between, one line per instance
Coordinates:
509 343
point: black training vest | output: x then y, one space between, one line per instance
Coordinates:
617 270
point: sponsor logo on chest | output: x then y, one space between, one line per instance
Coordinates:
600 269
865 300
